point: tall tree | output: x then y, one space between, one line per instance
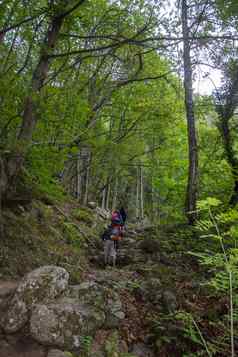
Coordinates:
192 184
14 162
226 104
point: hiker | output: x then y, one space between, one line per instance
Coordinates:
112 235
123 215
109 237
117 221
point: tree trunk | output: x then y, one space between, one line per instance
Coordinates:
108 194
230 156
3 180
85 200
141 194
137 193
15 161
114 200
192 184
78 177
103 198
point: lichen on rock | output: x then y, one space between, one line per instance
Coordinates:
41 285
65 323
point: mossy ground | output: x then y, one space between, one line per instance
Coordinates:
39 234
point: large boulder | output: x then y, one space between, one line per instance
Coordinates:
41 285
84 309
65 323
103 297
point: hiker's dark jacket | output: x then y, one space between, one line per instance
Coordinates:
123 214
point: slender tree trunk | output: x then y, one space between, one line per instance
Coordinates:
154 204
230 156
3 180
78 178
103 198
85 200
141 194
137 193
108 195
114 200
87 164
192 184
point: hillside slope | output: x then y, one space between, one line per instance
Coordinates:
154 303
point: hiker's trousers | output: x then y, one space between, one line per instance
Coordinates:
109 252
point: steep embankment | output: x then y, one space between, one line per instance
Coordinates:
39 234
145 307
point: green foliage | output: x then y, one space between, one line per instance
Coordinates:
112 347
69 354
222 265
72 234
228 8
122 103
84 215
86 345
189 328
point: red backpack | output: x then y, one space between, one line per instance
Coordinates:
116 218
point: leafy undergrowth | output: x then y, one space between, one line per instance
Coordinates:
191 317
169 305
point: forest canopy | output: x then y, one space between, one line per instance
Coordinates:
97 100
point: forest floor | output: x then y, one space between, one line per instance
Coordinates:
167 303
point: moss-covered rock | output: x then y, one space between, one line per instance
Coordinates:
43 284
103 298
65 323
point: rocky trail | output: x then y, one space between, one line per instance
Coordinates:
126 311
42 310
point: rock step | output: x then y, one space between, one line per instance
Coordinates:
7 288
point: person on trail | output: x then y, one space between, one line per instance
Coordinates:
117 222
112 235
123 215
109 237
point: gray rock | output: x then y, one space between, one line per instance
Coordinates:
114 313
76 291
56 353
7 289
150 291
170 301
141 350
103 297
65 323
92 205
102 213
20 346
41 285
